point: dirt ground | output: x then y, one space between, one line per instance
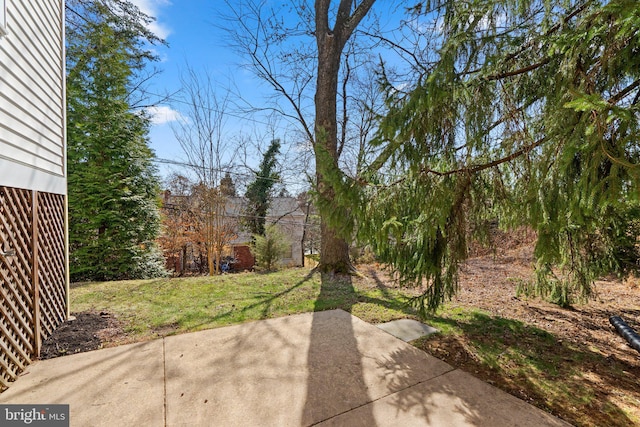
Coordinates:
488 281
583 337
84 331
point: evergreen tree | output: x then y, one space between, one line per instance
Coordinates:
227 186
113 186
528 114
259 191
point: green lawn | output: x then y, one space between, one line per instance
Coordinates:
524 360
148 308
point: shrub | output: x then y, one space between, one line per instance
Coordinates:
270 248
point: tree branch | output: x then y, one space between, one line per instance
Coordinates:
416 61
361 11
620 95
345 115
526 46
523 70
468 170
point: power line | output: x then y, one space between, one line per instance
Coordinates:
221 170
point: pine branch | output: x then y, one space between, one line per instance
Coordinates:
468 170
480 168
523 70
579 9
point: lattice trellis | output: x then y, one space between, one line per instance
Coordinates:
51 261
32 275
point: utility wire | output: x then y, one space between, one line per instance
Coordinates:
221 170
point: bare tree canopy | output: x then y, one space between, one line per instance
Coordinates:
296 70
209 153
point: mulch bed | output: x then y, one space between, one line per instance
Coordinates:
85 331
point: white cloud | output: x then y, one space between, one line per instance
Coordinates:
153 8
162 114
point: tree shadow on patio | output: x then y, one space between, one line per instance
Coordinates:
335 384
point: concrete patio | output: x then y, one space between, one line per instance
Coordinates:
326 368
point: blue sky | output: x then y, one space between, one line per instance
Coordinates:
194 40
187 26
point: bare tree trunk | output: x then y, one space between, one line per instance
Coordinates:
254 38
307 209
334 250
183 260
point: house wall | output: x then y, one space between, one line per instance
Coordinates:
33 232
292 227
32 106
244 258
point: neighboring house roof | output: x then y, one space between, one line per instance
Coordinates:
283 206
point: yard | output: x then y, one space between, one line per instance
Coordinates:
569 362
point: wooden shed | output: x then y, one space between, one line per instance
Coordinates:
33 183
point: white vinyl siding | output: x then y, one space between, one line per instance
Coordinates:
32 116
3 17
